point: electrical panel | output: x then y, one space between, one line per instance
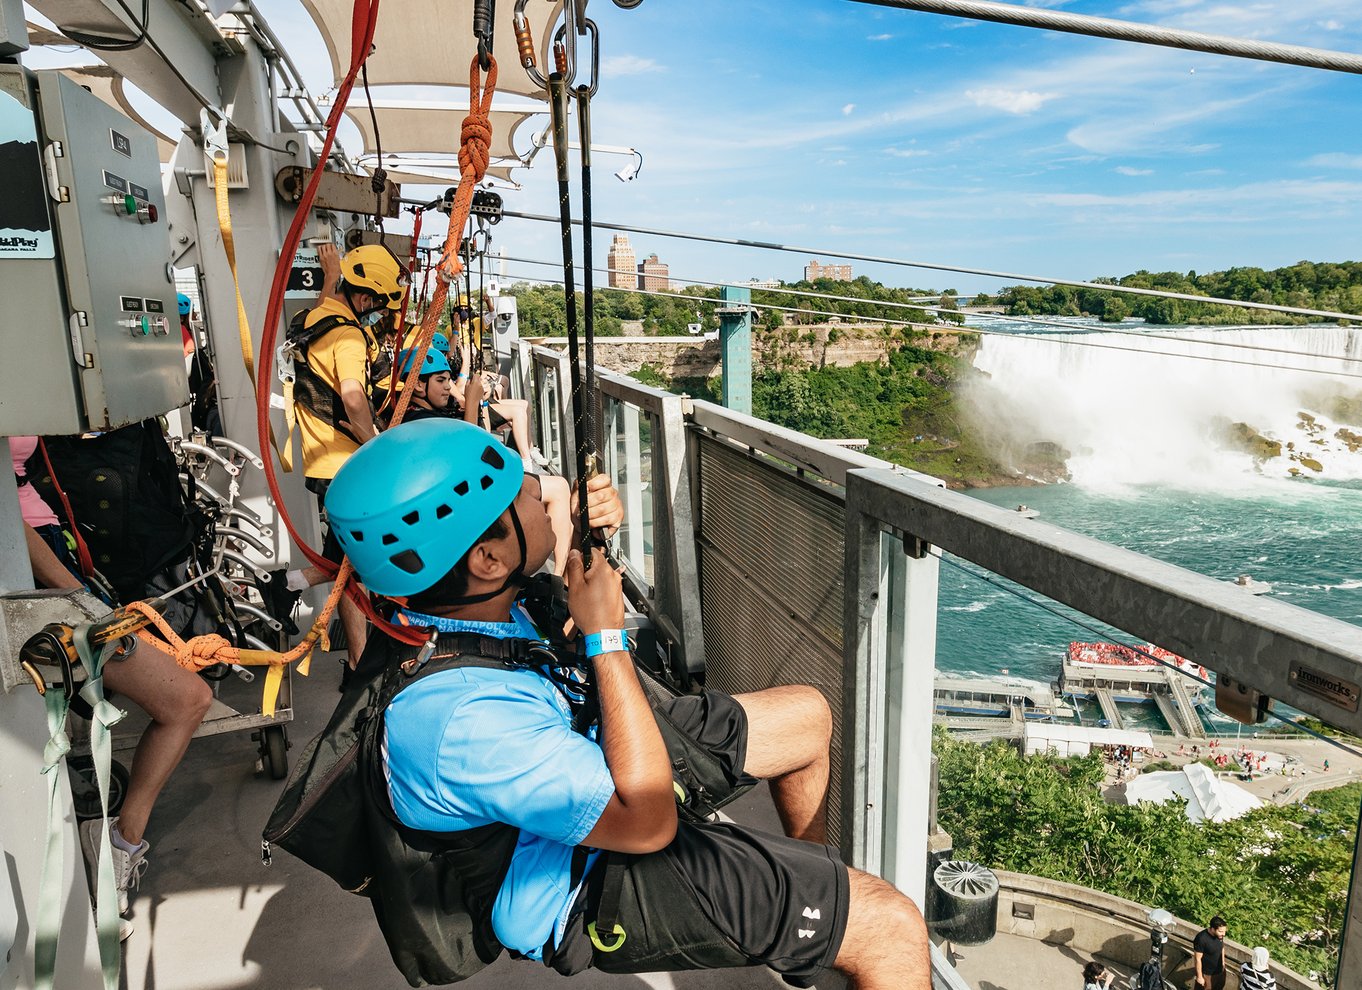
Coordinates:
91 338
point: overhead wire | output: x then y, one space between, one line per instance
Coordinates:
1071 339
927 307
932 266
1103 634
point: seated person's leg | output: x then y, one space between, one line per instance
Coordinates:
789 730
177 700
723 896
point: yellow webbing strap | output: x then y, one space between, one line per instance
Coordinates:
285 450
242 323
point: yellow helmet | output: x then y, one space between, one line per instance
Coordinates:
374 268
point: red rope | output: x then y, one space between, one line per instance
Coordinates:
87 564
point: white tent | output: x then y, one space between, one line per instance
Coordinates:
430 43
1208 797
1078 740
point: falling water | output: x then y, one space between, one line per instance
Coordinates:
1155 407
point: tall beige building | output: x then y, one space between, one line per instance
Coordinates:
654 275
813 271
621 263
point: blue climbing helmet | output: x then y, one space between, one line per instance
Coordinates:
434 363
439 342
409 504
186 304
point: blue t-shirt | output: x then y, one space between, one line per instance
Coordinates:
474 745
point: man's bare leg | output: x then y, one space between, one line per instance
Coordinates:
177 701
788 732
885 946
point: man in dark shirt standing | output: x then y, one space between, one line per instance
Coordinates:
1208 950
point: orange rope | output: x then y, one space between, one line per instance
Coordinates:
475 141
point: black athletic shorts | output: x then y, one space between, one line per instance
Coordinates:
720 895
331 549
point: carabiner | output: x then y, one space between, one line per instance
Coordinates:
484 17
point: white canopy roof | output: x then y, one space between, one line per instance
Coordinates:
1077 739
1208 797
431 43
408 127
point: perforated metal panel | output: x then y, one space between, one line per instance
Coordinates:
770 556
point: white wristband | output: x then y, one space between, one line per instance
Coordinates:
606 641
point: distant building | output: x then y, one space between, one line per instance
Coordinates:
813 271
760 283
621 263
654 275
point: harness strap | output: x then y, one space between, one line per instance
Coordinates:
243 325
104 717
608 906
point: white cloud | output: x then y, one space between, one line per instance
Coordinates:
628 65
906 152
1017 101
847 110
1335 159
1331 25
879 37
1131 170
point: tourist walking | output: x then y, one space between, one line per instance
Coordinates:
1208 952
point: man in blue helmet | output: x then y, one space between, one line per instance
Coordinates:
434 386
597 870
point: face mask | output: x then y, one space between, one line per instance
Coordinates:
372 318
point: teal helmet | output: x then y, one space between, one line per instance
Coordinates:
185 303
439 342
409 504
434 363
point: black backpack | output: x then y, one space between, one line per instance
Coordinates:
432 893
311 391
127 499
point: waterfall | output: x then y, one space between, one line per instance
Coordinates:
1162 407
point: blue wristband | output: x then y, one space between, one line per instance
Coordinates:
606 641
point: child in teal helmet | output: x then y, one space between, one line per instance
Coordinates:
599 870
433 392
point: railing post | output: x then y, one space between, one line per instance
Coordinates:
889 642
673 508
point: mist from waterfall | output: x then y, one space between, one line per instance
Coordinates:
1154 407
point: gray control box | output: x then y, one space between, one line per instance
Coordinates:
92 338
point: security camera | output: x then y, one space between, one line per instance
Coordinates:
628 173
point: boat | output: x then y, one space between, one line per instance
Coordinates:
1251 585
997 697
1099 656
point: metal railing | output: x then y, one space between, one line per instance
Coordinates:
790 559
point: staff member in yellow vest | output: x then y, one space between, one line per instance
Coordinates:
332 364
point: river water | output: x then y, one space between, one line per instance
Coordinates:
1147 476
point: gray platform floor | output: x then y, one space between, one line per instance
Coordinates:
210 916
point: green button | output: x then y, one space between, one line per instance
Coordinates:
146 327
130 204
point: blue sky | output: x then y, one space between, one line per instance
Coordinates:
848 126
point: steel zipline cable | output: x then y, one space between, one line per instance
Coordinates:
927 307
1086 627
1071 339
1145 34
1132 290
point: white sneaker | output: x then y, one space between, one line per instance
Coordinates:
128 867
125 928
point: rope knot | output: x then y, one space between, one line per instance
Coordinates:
475 142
